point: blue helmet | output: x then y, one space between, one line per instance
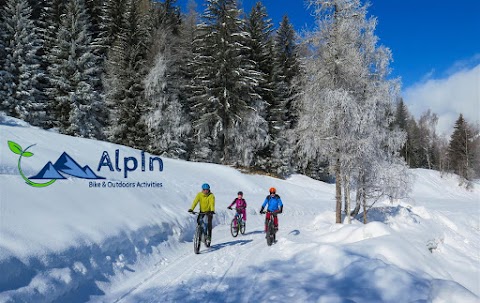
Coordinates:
205 186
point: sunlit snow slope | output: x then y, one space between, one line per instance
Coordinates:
70 242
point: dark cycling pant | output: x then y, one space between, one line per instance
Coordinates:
209 225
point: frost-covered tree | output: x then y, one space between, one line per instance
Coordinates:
21 69
74 74
347 105
227 125
125 73
168 121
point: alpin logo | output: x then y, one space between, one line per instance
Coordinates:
65 165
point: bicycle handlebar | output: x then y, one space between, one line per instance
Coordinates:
272 212
201 213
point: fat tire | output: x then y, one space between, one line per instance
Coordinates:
197 239
270 233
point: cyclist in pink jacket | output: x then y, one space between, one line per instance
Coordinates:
240 205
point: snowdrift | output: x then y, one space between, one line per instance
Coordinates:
75 239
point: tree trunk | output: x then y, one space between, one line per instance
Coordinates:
358 196
364 202
346 187
338 195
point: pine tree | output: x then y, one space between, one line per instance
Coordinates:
186 68
401 115
95 15
168 121
227 123
113 12
94 9
401 121
48 23
260 53
413 147
461 149
286 69
79 108
126 71
21 68
283 112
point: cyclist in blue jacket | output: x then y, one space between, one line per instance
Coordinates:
275 206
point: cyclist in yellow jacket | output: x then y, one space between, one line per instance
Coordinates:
207 205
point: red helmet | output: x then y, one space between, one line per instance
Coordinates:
272 190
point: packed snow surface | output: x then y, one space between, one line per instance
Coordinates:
72 241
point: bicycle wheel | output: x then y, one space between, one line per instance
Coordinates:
242 226
270 233
233 228
197 239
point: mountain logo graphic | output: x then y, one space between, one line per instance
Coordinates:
64 166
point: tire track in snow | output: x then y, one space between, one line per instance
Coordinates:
237 263
150 277
188 259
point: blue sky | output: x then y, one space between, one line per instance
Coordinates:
431 41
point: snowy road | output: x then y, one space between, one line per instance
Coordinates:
312 261
232 268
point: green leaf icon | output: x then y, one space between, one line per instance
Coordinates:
27 154
16 148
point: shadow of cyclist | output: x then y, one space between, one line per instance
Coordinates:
226 244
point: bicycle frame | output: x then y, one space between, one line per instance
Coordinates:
203 223
238 218
237 224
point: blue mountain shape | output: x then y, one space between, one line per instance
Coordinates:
48 172
89 172
67 165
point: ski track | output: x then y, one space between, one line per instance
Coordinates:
225 255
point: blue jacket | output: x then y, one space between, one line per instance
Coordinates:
274 203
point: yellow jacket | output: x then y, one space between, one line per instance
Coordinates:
207 202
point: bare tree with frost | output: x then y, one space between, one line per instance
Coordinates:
346 103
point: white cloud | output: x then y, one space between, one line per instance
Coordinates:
459 93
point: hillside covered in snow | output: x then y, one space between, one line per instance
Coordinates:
123 234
